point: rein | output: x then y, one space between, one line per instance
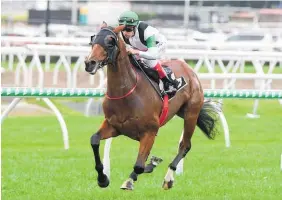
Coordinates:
130 91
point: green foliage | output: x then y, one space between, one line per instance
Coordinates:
16 18
146 16
35 165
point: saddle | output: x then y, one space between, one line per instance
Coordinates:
151 74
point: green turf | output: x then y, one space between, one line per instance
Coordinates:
35 166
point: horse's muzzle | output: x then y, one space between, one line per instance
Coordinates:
91 66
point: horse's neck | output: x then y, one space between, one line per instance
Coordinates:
121 78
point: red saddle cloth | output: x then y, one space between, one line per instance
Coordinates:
164 113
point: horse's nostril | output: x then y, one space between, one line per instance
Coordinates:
88 66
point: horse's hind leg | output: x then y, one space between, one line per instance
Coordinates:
154 162
106 131
190 120
146 143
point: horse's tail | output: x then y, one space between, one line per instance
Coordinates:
208 118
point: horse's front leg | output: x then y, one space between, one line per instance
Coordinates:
106 131
154 162
146 144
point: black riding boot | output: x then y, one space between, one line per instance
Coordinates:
170 83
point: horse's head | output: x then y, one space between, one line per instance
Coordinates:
104 48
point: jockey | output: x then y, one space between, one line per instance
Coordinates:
148 44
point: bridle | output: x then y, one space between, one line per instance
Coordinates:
108 40
112 50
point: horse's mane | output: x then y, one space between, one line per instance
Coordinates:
121 42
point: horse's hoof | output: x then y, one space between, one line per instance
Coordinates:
103 181
127 185
167 185
155 160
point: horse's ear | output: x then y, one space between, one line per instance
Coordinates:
103 25
119 28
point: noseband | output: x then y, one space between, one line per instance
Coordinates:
108 40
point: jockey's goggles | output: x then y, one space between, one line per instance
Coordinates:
124 21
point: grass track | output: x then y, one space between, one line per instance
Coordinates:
35 166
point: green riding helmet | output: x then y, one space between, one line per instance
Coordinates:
128 18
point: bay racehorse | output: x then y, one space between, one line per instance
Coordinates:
132 107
